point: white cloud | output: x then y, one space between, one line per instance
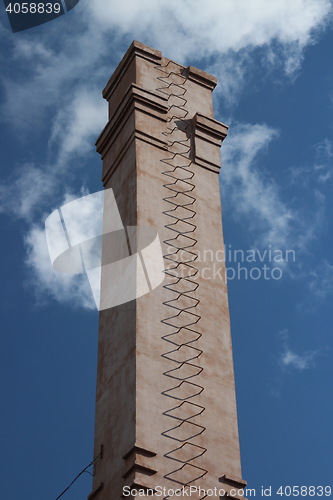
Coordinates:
298 361
83 218
74 131
51 76
76 125
231 70
196 28
222 34
31 187
186 31
320 281
30 50
320 172
47 283
291 359
252 195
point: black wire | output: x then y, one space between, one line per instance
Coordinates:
80 474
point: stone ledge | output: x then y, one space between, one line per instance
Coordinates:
236 482
135 97
135 49
201 77
232 483
217 131
208 137
136 460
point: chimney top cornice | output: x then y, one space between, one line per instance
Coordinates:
135 49
138 49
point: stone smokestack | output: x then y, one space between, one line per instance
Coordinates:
165 409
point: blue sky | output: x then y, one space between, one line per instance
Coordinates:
274 64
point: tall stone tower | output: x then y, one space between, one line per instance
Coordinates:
165 409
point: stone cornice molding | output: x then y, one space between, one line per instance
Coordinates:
136 101
208 137
136 49
201 77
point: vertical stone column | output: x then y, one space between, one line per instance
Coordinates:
165 408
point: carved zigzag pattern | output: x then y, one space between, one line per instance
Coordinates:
182 319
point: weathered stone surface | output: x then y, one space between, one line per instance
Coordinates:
165 407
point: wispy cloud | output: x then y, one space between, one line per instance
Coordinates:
74 130
251 194
208 27
186 31
289 359
231 70
320 172
75 125
298 361
253 198
71 289
23 196
55 68
224 34
320 281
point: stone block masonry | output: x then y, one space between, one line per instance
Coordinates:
165 406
